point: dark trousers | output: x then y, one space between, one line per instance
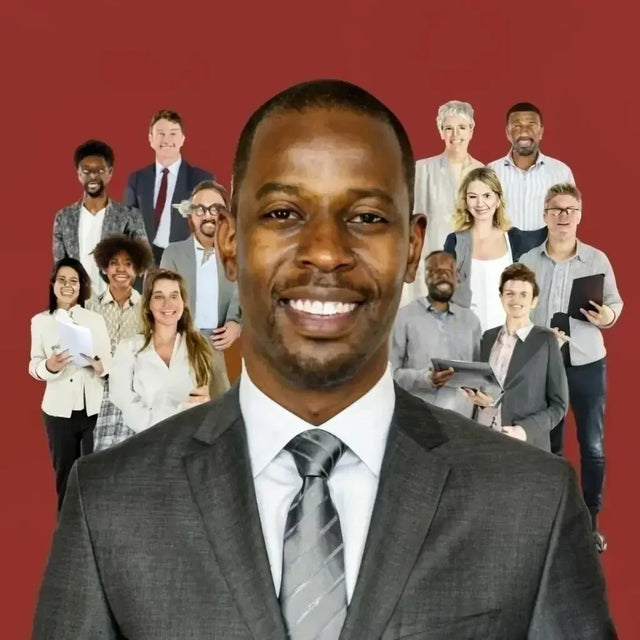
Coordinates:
587 397
69 438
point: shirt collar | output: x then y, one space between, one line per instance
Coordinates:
426 301
579 254
522 333
363 426
173 168
106 298
198 245
541 159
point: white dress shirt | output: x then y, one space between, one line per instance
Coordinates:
89 234
206 302
485 295
353 484
144 388
164 228
524 191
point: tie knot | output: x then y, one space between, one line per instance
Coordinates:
315 452
165 171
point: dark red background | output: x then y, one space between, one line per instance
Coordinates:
73 70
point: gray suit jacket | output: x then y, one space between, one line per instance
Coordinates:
536 394
118 218
473 535
181 257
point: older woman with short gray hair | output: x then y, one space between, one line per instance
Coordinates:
437 181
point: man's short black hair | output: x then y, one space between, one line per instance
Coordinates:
94 148
524 106
321 94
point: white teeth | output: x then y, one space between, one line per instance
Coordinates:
318 308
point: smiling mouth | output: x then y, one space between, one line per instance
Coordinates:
321 308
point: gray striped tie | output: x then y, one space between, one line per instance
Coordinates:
313 594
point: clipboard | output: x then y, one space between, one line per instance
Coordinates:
478 376
76 339
582 290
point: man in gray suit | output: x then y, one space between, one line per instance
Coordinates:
316 499
213 299
78 227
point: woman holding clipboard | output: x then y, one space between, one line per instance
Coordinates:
73 391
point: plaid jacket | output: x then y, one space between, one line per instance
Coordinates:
118 218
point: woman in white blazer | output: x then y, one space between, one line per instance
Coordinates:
73 391
436 184
167 368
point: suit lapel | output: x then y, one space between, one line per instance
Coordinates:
110 224
412 480
224 291
180 193
73 241
148 183
222 487
522 354
487 342
189 270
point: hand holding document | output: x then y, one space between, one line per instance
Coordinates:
74 339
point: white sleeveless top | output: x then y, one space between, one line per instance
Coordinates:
484 281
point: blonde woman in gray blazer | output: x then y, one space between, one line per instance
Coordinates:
436 184
73 394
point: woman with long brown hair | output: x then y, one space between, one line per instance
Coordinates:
168 367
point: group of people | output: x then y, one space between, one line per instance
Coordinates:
500 258
318 499
144 278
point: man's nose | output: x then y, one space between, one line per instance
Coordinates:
325 243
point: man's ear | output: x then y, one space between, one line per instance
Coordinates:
417 230
226 244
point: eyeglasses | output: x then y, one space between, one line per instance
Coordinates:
87 171
557 211
213 210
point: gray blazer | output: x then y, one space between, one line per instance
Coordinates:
536 394
459 245
473 535
181 257
118 218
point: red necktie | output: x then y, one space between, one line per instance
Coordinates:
162 198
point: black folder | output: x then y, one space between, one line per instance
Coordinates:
585 289
478 376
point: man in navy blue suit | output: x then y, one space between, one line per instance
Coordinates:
169 180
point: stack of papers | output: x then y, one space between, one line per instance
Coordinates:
74 338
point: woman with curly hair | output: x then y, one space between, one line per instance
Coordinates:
120 260
168 367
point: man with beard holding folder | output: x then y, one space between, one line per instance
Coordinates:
316 499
